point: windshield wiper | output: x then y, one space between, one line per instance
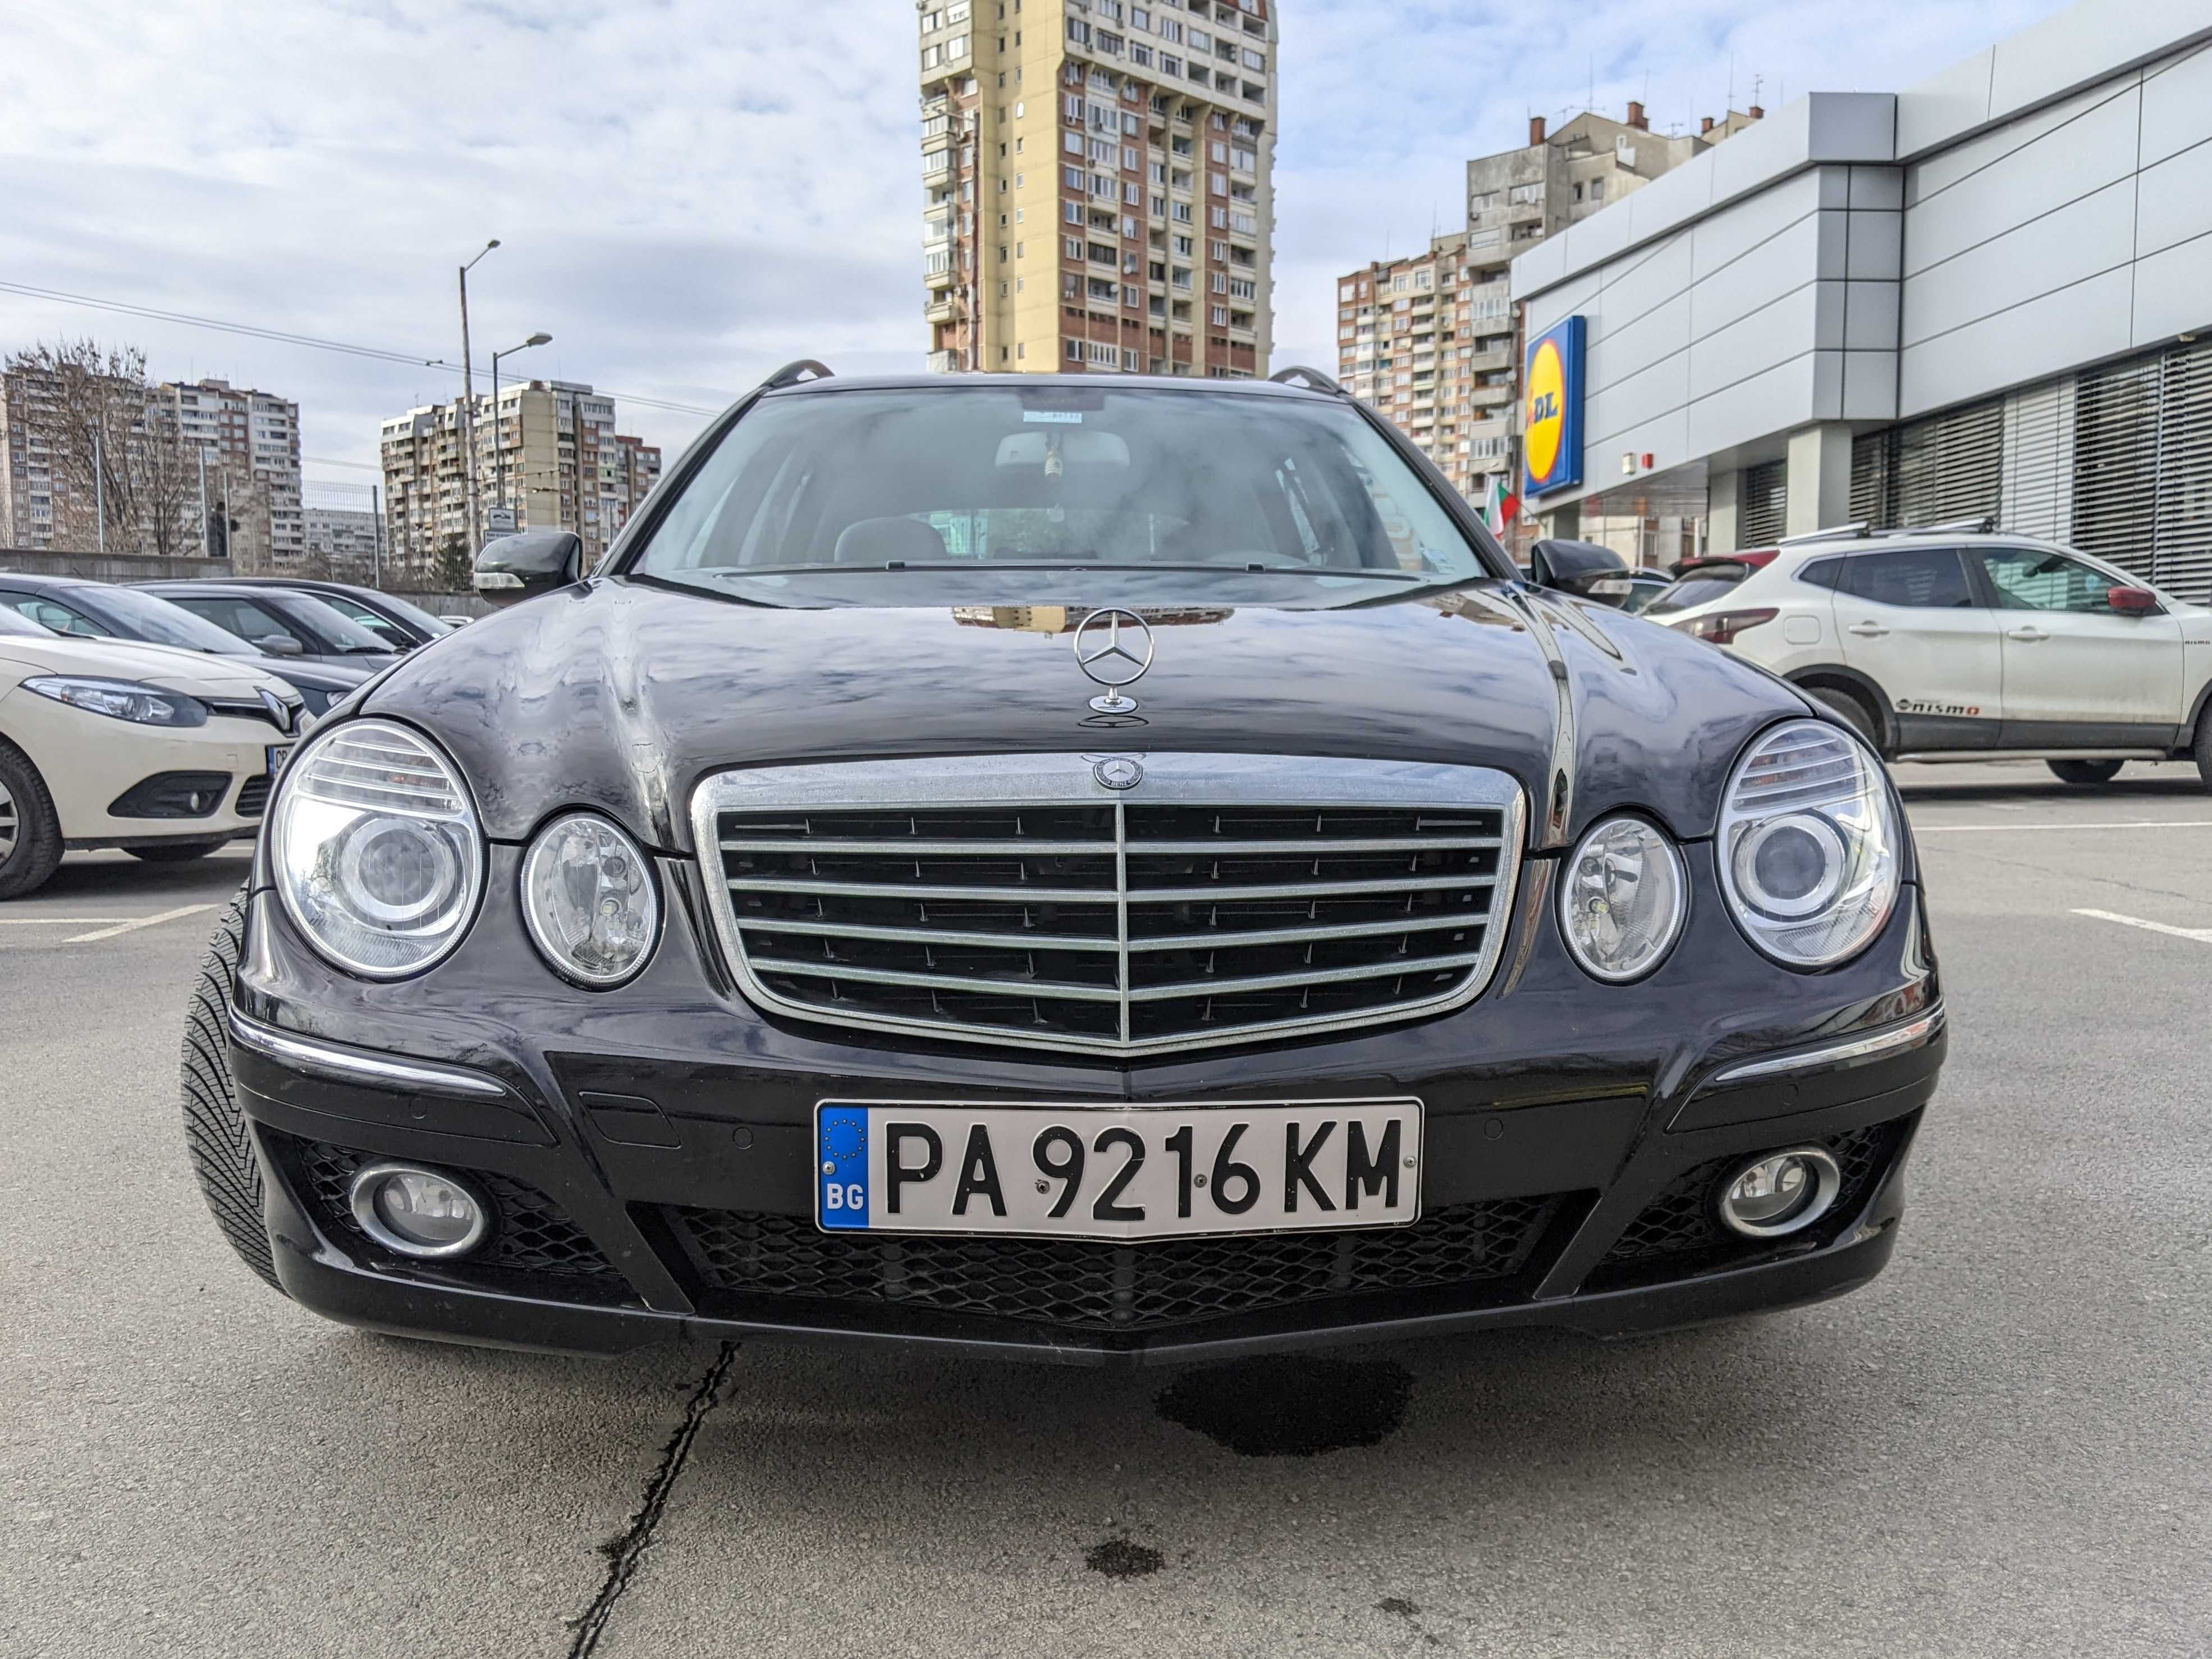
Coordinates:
979 566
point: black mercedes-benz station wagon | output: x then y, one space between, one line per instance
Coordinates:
1096 868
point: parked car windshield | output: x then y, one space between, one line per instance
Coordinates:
148 617
916 496
13 622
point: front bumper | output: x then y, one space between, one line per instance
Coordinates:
651 1151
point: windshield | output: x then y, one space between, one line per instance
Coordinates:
343 633
910 496
13 622
147 617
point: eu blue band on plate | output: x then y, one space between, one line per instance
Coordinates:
842 1166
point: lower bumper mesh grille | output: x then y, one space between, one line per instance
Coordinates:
1678 1232
1086 1285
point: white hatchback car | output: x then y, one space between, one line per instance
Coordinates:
164 753
1944 644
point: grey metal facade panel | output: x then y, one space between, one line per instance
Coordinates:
2174 205
2095 149
2046 336
2091 41
1822 127
1941 169
1870 317
1782 329
1659 333
1774 400
2177 107
2172 292
2044 255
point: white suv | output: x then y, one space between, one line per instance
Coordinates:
1944 644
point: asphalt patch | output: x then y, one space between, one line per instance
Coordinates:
1296 1405
1117 1557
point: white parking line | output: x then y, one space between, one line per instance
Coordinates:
61 921
133 927
2202 935
2127 823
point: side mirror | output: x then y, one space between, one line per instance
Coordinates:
2133 602
281 645
522 565
1585 569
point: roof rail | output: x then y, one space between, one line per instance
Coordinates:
1299 374
1832 533
1984 525
793 374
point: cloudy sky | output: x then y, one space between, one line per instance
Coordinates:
691 191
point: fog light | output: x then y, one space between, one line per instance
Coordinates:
1781 1193
417 1211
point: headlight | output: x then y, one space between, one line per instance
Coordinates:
122 699
1809 845
379 859
1623 900
588 895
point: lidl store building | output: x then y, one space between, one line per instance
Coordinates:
1989 294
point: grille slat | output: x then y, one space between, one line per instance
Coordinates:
1015 899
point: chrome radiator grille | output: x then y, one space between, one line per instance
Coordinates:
1016 899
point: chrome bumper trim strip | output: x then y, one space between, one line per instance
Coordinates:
1910 1035
342 1065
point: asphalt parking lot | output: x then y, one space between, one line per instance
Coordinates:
2002 1446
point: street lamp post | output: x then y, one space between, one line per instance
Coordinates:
498 448
469 405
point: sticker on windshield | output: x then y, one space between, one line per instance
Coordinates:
1053 416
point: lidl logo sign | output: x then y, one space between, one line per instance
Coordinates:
1551 421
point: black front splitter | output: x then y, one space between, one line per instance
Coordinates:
378 1302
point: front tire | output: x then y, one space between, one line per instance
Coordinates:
1853 711
2085 774
2205 745
178 851
30 830
215 1135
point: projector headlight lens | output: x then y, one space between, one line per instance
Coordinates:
378 854
1624 899
1810 846
588 894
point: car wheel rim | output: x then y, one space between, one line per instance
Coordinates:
9 823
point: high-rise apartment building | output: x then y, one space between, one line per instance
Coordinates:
190 466
1099 183
245 444
40 509
1431 339
1427 339
551 456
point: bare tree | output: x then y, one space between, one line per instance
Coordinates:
116 446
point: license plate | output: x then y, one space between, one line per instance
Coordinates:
1062 1171
276 753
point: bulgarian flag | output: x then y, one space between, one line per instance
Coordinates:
1500 505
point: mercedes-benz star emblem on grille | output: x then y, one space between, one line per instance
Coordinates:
1103 654
1119 772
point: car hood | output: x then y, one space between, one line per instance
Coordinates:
622 695
170 667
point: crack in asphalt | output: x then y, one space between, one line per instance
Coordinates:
626 1549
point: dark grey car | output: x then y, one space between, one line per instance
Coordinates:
294 626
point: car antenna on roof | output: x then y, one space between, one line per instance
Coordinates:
1299 374
794 373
